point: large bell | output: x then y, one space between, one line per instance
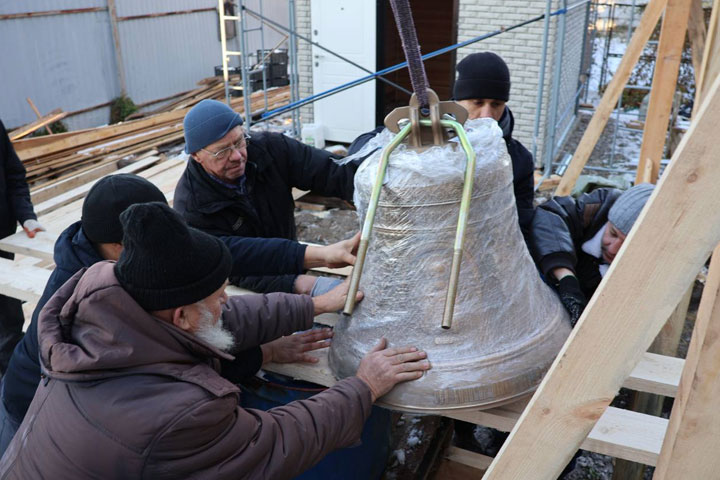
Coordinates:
508 326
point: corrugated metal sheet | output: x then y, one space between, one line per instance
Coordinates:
126 8
68 61
165 55
47 5
64 61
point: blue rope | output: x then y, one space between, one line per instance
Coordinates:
399 66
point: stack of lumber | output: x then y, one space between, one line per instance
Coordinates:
211 87
53 155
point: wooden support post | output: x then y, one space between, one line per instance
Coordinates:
693 436
112 10
711 58
696 34
610 98
672 239
666 343
667 65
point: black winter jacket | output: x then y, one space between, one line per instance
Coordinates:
276 164
15 205
523 173
560 227
522 165
73 252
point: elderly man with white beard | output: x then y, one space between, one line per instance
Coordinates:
130 387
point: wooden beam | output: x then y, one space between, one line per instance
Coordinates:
119 64
697 33
101 134
51 117
80 192
87 174
673 237
466 457
693 437
612 93
665 344
711 57
25 282
664 84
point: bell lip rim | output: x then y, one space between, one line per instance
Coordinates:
457 409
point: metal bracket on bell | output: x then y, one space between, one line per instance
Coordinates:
437 127
423 136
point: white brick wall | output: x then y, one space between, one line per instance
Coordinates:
303 24
521 49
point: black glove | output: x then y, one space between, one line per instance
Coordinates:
572 297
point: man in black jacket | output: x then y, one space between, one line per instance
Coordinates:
237 186
575 241
97 237
483 88
15 207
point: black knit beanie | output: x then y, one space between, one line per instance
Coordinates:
108 198
166 264
482 75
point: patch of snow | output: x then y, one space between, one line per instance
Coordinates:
414 438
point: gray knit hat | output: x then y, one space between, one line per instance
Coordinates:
628 206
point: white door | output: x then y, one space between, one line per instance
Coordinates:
348 28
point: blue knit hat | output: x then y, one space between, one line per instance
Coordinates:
208 122
628 206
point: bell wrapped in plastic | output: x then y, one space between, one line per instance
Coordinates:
508 325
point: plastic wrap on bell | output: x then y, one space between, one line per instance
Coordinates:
508 324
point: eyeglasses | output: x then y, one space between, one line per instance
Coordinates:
225 153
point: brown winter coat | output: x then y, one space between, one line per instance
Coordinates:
129 396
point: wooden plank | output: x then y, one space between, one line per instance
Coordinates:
51 117
101 134
466 457
664 84
666 343
693 438
56 188
657 374
24 282
627 435
663 253
610 98
449 470
697 33
39 247
57 220
80 192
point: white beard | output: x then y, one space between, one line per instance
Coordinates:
214 334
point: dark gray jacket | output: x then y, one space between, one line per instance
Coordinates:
560 227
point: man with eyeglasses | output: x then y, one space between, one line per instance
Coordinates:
235 185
